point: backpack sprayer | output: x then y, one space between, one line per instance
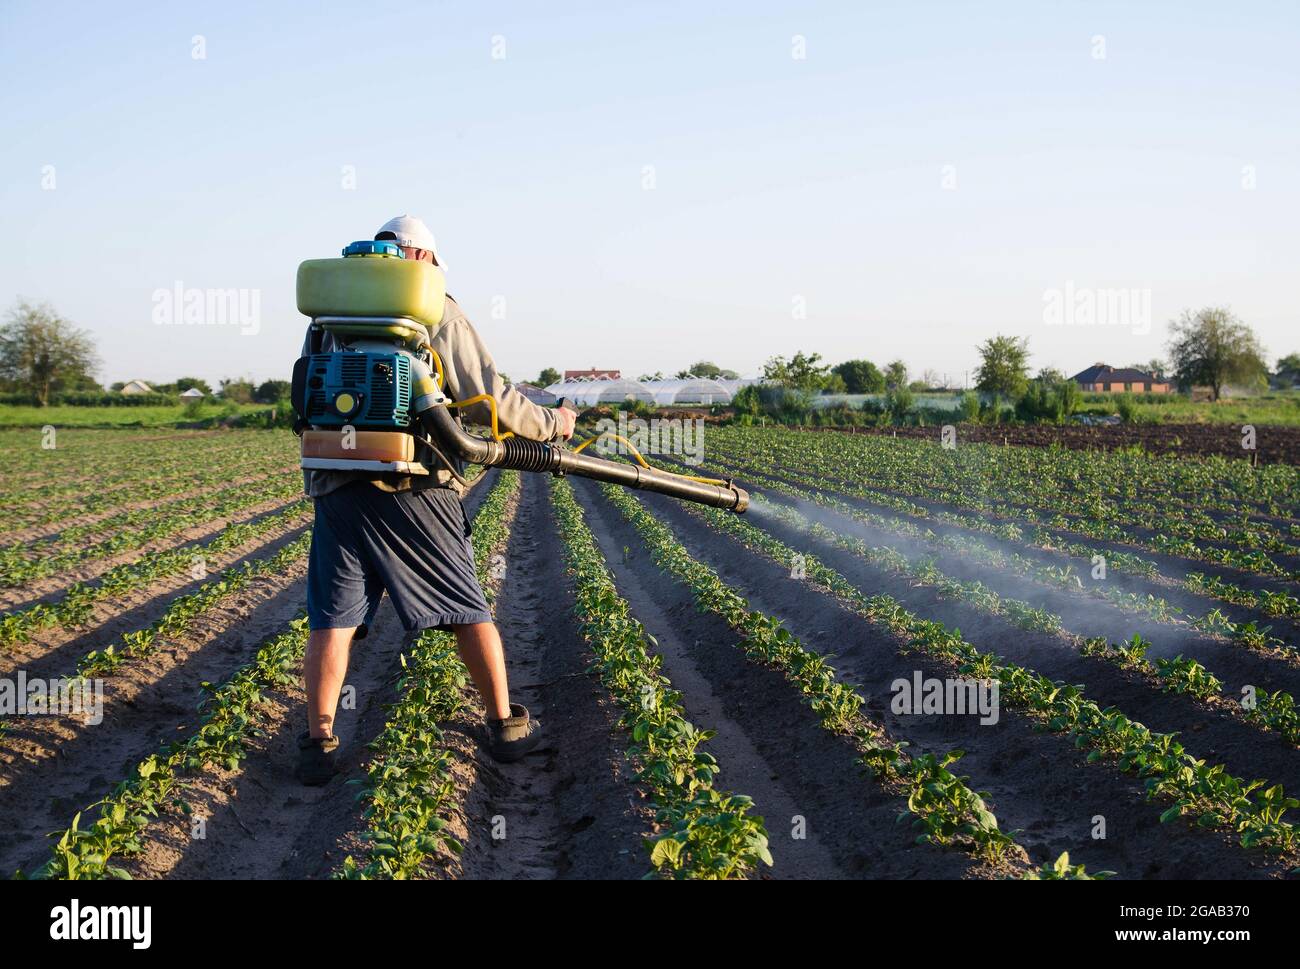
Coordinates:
371 397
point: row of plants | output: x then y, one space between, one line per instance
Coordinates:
32 455
1207 793
1282 605
1116 477
978 478
703 832
85 528
1247 634
1035 537
66 463
1154 606
230 721
76 607
943 808
184 611
924 572
1274 712
20 563
408 790
1182 675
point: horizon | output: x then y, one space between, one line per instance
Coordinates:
643 189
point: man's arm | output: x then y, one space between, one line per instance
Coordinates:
470 371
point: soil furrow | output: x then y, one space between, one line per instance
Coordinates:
1212 733
853 818
1038 783
56 651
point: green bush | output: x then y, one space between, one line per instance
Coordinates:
93 398
968 407
1126 407
899 402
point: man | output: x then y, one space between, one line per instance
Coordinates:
409 535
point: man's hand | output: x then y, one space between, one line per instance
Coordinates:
567 419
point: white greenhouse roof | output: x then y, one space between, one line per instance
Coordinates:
590 391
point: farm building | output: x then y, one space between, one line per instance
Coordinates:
537 395
192 394
1101 379
592 374
136 387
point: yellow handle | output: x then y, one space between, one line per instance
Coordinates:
642 461
491 401
492 406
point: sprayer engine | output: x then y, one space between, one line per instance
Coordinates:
363 389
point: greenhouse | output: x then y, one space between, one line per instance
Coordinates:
693 390
689 391
589 393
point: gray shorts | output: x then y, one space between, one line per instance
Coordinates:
413 544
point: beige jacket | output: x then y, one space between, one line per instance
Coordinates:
470 372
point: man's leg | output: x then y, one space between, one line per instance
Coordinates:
324 668
480 647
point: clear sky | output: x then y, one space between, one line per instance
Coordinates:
645 185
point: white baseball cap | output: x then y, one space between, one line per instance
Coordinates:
411 231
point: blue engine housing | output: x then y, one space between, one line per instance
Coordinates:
369 391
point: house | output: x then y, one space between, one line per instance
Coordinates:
537 395
592 374
1101 379
192 394
136 387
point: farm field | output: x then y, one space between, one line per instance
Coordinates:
1273 443
722 694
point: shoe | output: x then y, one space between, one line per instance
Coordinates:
516 735
317 760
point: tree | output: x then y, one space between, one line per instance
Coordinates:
708 370
1288 369
895 375
657 375
1212 347
185 383
801 372
1004 370
269 391
1051 396
238 390
899 402
549 376
41 353
860 377
1156 367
